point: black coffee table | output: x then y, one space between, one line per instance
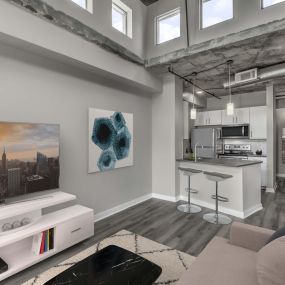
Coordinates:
110 266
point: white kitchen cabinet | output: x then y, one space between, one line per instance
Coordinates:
209 118
240 117
214 118
200 119
227 120
258 122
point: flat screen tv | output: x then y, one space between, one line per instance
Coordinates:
29 155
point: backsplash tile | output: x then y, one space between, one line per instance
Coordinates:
255 144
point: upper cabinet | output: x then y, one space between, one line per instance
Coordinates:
209 118
258 123
256 117
240 117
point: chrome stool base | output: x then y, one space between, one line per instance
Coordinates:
189 208
217 219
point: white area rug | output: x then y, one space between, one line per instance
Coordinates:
173 262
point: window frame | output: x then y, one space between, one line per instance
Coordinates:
128 12
124 16
263 7
164 16
88 5
201 16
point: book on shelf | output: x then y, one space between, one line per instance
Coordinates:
43 242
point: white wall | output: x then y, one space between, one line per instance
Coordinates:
247 14
101 21
35 89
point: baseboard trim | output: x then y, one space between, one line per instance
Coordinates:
165 197
105 214
252 210
238 214
270 190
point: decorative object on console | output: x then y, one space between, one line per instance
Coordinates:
110 140
30 158
3 266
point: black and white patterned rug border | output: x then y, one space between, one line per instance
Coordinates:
173 262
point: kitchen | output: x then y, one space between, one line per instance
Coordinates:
235 145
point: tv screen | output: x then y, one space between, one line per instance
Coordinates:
29 156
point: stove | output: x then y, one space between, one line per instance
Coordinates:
240 151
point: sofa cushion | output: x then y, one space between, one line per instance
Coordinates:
222 263
279 233
270 263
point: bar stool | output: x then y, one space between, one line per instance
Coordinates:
217 218
189 208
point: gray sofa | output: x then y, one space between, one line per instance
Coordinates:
229 262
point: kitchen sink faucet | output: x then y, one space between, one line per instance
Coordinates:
197 144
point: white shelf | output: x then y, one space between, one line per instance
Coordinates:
17 264
44 223
33 204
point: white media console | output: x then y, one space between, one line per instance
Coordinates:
71 225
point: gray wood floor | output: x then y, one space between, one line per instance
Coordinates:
160 221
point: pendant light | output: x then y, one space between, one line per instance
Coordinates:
193 113
230 105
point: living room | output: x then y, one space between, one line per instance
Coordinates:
146 134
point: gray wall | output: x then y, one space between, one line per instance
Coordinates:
280 120
34 89
101 20
240 100
247 14
157 9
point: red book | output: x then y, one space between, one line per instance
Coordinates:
43 243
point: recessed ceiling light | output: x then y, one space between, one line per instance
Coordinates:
199 92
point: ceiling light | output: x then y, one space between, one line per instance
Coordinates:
199 92
193 113
230 105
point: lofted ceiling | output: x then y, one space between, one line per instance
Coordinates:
148 2
259 47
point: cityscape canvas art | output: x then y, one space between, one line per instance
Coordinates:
110 140
29 158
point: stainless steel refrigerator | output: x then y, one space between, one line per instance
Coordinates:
208 140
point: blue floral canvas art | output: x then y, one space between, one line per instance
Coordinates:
110 140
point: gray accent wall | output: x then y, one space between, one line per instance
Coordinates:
252 99
39 90
247 14
280 121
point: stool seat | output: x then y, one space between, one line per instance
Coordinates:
190 171
217 218
189 208
216 176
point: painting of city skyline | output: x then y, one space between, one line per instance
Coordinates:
29 156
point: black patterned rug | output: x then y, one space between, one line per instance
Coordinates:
173 262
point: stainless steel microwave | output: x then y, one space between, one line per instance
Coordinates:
235 132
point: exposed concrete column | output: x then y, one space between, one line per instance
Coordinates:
167 137
271 137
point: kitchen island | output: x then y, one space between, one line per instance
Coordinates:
243 190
